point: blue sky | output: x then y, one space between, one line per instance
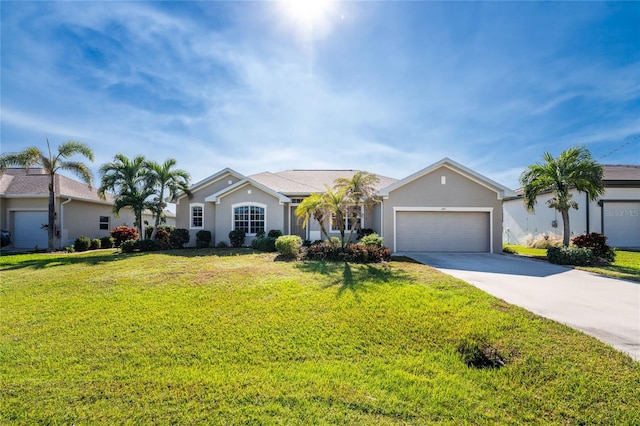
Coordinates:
388 87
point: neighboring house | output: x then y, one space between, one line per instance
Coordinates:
24 201
444 207
615 214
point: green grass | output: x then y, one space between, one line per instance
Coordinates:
223 337
626 266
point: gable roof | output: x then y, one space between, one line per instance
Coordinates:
305 182
16 183
242 183
501 190
209 180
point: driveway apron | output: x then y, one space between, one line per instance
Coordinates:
605 308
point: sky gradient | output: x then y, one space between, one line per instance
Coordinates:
387 87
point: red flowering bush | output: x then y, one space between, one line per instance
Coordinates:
123 233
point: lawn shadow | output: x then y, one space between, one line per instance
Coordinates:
354 278
48 260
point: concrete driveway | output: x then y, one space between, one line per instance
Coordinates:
606 308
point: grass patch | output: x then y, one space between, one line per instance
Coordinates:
626 266
232 337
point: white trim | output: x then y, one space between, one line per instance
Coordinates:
331 230
191 206
250 204
216 198
444 209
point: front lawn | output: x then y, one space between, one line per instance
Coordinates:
232 337
626 266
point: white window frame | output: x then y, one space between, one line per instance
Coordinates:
346 221
191 217
233 216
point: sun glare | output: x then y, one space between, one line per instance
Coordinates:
308 13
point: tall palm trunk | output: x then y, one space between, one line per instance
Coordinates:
52 215
566 229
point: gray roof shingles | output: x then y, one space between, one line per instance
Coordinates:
291 182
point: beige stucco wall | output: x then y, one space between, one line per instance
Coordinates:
458 191
74 218
274 211
183 208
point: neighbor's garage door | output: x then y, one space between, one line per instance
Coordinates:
622 224
442 231
27 229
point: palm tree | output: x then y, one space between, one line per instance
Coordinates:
163 177
313 206
52 164
361 190
129 181
574 168
338 204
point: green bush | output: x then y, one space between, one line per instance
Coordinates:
203 238
267 244
69 249
123 233
356 253
96 244
128 246
576 256
107 242
275 233
179 237
236 237
289 246
82 243
372 239
597 243
147 244
222 244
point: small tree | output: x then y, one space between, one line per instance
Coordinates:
573 168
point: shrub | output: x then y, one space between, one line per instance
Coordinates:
82 244
203 238
598 245
179 237
289 246
162 236
123 233
150 245
372 239
106 242
275 233
264 244
236 237
69 249
576 256
357 253
363 232
128 246
96 244
543 241
222 244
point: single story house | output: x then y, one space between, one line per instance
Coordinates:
615 214
24 207
443 207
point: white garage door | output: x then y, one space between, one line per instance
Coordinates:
442 232
622 224
27 230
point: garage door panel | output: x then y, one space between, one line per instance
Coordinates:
27 229
622 224
442 231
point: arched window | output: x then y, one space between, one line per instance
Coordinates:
249 218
